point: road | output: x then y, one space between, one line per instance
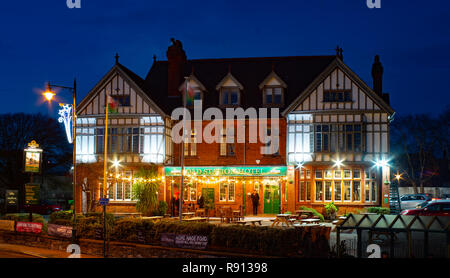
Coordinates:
12 255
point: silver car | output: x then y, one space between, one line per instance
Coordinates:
411 201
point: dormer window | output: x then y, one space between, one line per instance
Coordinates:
273 95
229 96
230 91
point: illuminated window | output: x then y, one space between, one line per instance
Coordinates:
347 190
319 191
328 191
338 191
227 144
356 191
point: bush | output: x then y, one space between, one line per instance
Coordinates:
162 208
315 212
379 210
61 216
24 217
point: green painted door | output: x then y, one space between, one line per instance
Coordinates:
271 199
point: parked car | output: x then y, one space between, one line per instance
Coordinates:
433 208
44 208
410 201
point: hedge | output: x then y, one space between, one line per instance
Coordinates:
258 240
379 210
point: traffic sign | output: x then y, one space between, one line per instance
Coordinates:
103 201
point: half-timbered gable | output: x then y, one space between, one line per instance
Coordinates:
338 115
135 132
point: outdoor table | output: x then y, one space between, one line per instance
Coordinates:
305 213
188 214
196 219
237 214
200 212
311 221
282 218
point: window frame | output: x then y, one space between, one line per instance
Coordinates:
272 93
229 89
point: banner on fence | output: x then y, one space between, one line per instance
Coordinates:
29 227
7 225
184 241
59 230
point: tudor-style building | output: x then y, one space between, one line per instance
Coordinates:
138 135
332 129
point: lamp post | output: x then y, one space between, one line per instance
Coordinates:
49 94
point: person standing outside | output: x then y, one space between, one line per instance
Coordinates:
255 202
201 201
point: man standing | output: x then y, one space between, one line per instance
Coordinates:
255 201
201 201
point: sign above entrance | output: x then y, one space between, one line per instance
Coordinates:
263 171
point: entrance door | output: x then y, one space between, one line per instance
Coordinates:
271 199
208 196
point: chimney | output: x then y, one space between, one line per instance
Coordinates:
377 75
177 60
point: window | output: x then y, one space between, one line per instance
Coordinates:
319 191
230 96
356 191
190 147
337 174
118 190
308 191
370 186
357 174
193 192
231 192
328 174
333 138
301 191
227 148
122 100
338 191
227 192
273 95
337 96
318 174
328 191
308 174
347 190
347 174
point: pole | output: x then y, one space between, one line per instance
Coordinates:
29 207
74 173
182 148
105 163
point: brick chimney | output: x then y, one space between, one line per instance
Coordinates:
177 60
377 75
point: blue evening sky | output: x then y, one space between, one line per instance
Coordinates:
44 40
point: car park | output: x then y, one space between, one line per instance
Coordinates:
432 208
410 201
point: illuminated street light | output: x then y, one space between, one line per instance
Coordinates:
381 163
48 95
116 163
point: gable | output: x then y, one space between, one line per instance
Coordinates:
229 81
272 80
339 78
118 84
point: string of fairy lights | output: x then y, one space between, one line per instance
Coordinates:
193 178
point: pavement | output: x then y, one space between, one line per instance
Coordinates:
20 251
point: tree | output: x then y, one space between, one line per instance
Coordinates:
146 190
16 131
417 142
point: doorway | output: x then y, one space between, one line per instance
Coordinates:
271 198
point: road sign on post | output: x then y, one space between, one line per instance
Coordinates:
103 201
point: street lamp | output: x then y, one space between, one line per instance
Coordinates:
48 95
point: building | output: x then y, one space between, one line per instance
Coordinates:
332 132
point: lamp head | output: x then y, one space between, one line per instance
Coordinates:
48 95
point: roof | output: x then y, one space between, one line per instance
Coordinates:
296 71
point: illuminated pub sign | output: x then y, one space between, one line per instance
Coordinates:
32 158
264 171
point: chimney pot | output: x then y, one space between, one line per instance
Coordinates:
377 75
